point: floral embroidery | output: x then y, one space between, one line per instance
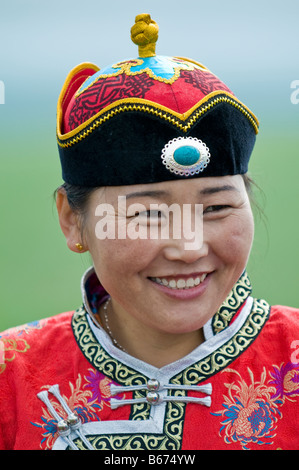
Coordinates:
9 348
27 328
99 385
86 399
11 343
252 411
286 381
79 401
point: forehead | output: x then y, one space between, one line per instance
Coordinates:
198 185
173 190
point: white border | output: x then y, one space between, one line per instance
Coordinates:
185 170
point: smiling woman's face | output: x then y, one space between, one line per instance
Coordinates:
157 283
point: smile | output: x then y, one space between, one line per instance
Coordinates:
180 283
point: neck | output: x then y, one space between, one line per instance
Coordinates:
153 347
161 350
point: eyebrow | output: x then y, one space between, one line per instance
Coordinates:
153 193
159 193
218 189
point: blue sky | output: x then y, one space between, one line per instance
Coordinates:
252 46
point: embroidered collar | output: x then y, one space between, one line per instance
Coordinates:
218 351
157 411
94 295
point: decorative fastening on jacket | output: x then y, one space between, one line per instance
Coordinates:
65 427
154 398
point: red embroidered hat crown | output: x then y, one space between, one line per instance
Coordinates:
150 119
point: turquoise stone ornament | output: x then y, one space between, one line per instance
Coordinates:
185 156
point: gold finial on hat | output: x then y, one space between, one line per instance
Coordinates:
144 33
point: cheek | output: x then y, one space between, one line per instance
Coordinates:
242 238
121 258
236 238
110 263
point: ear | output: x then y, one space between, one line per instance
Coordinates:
69 222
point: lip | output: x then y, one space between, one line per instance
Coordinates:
176 277
184 294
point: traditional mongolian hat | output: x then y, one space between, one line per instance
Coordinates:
150 119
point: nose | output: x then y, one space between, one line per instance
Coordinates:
186 241
186 251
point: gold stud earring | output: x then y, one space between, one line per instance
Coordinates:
79 246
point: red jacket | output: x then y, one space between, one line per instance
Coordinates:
64 385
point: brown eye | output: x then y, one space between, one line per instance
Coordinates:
150 214
216 208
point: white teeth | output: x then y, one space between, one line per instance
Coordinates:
190 282
180 283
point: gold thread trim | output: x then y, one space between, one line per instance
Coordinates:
216 361
200 370
136 104
240 292
223 356
70 76
125 67
202 67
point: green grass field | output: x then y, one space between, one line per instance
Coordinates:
40 277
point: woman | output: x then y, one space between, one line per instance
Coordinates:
169 350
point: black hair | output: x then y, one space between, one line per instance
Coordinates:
77 196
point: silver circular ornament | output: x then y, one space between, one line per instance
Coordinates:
152 398
185 156
74 421
63 428
153 384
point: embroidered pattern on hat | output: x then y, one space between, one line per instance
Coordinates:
105 92
206 82
158 68
144 79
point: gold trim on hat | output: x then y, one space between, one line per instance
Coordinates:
182 121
